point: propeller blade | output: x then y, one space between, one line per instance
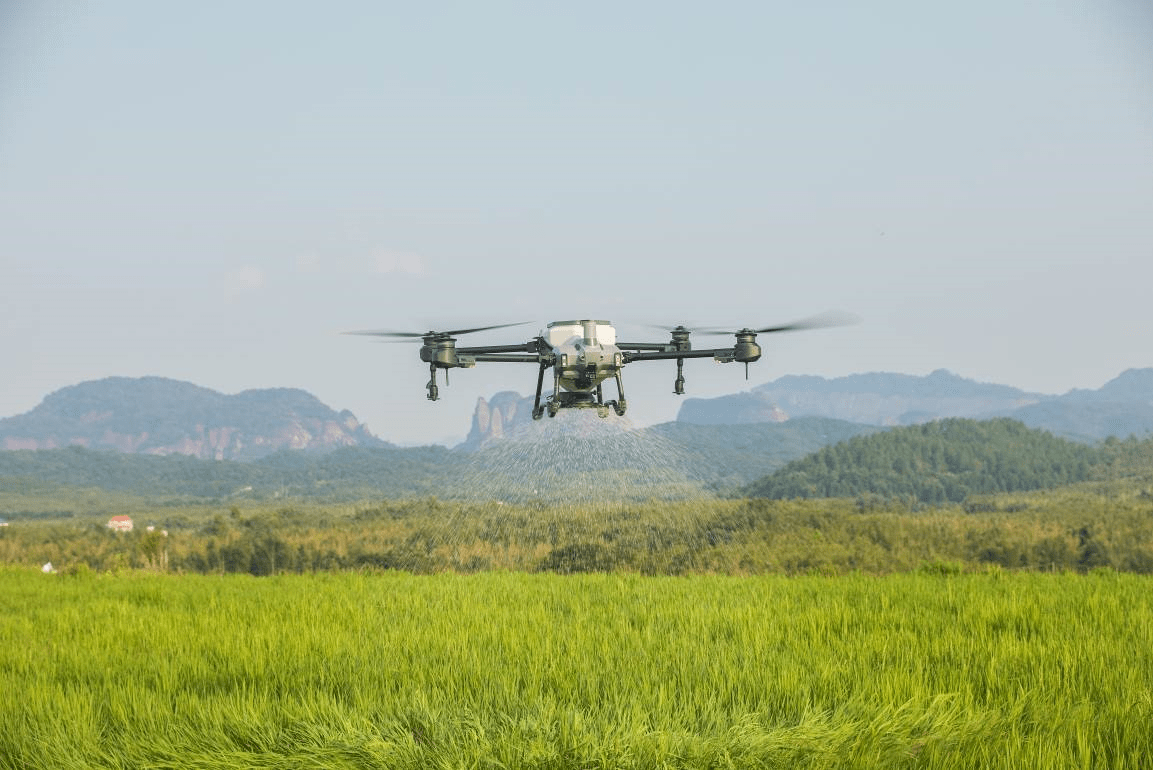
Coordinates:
484 328
369 333
421 335
821 321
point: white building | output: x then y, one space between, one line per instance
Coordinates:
120 523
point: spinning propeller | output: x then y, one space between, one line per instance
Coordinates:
433 335
822 321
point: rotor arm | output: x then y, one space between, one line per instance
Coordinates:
745 351
645 346
532 346
444 354
523 358
720 354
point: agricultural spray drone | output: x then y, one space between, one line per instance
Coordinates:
583 354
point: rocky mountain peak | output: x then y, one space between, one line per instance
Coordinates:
156 415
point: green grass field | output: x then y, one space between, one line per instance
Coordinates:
512 670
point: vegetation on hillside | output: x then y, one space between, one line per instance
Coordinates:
725 458
636 464
1105 521
942 461
938 462
343 474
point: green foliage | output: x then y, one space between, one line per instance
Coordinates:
707 456
727 458
579 557
938 462
995 632
1105 522
1097 524
345 474
933 670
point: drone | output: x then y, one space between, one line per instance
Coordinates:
584 354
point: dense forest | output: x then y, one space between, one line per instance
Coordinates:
938 462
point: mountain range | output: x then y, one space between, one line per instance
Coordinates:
1122 407
156 415
167 439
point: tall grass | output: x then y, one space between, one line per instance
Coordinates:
512 670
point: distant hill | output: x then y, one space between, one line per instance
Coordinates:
164 439
936 462
1122 407
574 457
730 456
947 460
151 436
347 473
155 415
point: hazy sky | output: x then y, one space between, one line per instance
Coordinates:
214 191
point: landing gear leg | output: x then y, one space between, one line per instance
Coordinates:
537 409
679 384
553 405
602 407
433 391
621 405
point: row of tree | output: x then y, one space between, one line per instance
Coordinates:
1105 525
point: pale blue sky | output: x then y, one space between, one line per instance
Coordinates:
212 191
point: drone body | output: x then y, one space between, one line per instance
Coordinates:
582 355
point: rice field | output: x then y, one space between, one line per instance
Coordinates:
512 670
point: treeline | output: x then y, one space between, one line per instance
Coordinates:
939 462
1080 529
